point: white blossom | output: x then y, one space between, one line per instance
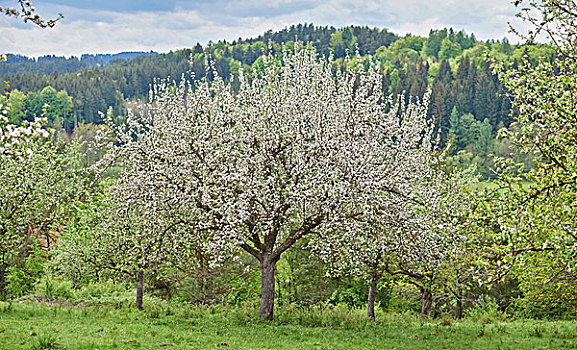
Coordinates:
297 150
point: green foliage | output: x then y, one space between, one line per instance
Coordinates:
449 49
343 42
433 44
355 295
536 207
484 138
548 285
454 125
40 180
414 43
352 296
235 282
21 276
56 106
17 103
534 53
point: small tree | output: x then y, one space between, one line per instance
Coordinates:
139 224
39 179
124 233
454 130
414 233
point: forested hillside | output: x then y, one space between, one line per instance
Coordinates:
467 100
16 64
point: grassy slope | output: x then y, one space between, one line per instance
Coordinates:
35 326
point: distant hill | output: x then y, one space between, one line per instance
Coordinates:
103 59
17 64
96 82
467 100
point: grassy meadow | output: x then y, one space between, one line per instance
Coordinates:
32 325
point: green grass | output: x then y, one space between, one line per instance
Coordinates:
38 326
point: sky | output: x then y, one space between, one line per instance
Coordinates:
111 26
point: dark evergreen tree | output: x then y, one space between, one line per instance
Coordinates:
441 99
487 102
464 86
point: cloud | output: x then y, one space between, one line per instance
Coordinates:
116 5
111 26
248 8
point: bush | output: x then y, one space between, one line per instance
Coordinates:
51 287
21 276
485 313
525 309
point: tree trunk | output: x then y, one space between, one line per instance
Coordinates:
459 307
139 289
2 282
267 268
372 296
321 284
3 267
427 305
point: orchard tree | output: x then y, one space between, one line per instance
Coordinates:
139 225
363 248
414 234
360 248
297 148
39 180
433 238
395 221
539 205
431 243
124 232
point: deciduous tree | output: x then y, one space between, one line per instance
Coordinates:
295 150
38 181
538 206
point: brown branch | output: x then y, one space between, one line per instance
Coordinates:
252 251
531 249
547 188
295 235
564 8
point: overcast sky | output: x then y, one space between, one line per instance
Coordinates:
110 26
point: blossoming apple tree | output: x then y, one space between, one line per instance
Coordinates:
298 148
138 226
414 233
38 179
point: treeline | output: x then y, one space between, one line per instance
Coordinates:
56 106
468 102
328 40
18 64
